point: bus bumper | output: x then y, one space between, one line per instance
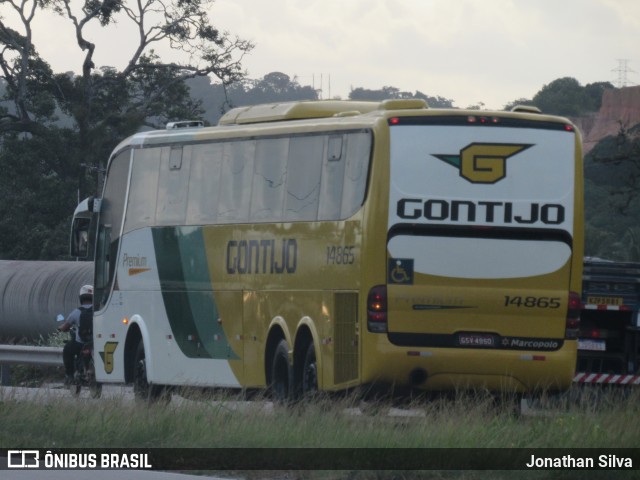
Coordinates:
450 369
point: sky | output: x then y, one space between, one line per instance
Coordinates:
488 52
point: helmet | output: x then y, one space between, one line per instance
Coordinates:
86 290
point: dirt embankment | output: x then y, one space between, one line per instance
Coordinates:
620 107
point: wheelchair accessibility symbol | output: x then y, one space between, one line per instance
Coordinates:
400 271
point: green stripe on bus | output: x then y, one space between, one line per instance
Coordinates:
187 294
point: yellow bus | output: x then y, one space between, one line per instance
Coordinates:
327 245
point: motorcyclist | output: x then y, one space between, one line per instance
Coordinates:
74 346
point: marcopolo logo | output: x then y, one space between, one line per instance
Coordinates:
483 162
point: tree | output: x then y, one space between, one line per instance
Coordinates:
593 95
561 97
103 105
37 195
388 92
615 163
25 76
612 205
106 103
435 102
375 95
273 87
519 101
565 96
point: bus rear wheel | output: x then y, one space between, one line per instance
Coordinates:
281 373
310 373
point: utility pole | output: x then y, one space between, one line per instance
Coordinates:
623 71
321 89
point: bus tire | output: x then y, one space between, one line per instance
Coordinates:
281 373
142 389
310 372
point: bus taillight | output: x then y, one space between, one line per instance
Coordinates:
377 309
573 316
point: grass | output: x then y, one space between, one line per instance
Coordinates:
469 420
584 418
598 419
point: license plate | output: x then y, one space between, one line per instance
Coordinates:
605 300
476 340
592 345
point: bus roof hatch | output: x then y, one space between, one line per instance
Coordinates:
276 112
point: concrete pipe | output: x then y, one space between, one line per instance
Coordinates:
32 293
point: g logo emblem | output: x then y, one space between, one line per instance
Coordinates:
483 162
107 356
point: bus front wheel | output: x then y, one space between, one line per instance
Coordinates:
142 389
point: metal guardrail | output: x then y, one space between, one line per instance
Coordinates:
19 354
31 355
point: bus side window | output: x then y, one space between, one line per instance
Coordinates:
334 151
173 182
357 169
204 183
269 177
235 181
304 170
332 180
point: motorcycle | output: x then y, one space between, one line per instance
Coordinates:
84 374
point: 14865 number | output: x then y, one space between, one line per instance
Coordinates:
339 255
531 302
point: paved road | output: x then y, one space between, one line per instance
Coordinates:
94 475
56 393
